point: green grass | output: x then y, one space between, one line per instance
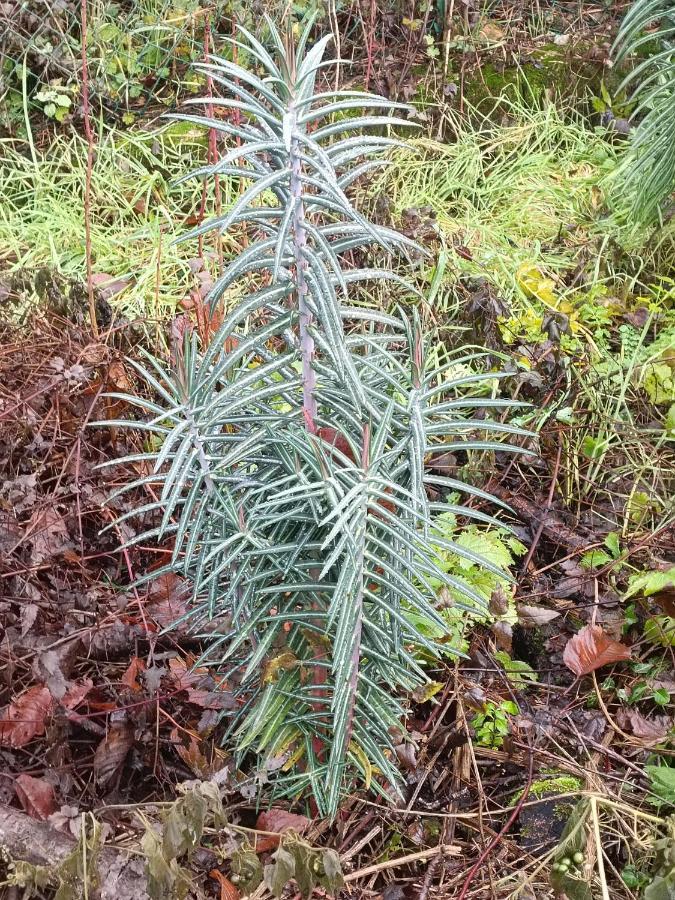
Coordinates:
523 202
523 197
527 191
136 212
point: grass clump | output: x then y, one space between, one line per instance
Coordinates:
135 213
521 203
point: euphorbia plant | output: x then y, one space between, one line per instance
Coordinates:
291 452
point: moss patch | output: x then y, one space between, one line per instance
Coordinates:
569 74
541 825
551 786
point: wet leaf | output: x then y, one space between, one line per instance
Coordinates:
183 675
406 754
307 866
184 824
570 887
595 559
47 667
503 633
650 731
118 377
331 878
651 583
519 673
167 599
107 285
36 796
535 284
212 699
29 614
112 751
192 755
426 691
662 783
278 820
499 602
24 719
67 820
165 878
335 439
76 694
591 649
660 630
443 463
491 32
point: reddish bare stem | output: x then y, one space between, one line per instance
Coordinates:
89 135
299 237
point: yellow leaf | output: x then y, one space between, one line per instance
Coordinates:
534 283
284 662
426 691
366 765
297 754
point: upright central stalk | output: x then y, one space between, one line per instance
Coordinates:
299 239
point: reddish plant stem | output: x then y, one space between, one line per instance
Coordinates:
370 46
212 152
302 289
89 135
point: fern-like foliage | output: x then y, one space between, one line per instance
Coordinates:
290 466
648 179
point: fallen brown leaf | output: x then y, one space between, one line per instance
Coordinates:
130 677
29 613
108 285
184 677
76 694
24 719
277 820
503 633
118 377
650 731
36 796
591 649
212 699
47 667
112 751
535 616
167 599
10 532
48 534
192 755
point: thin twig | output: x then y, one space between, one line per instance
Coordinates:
598 843
448 849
